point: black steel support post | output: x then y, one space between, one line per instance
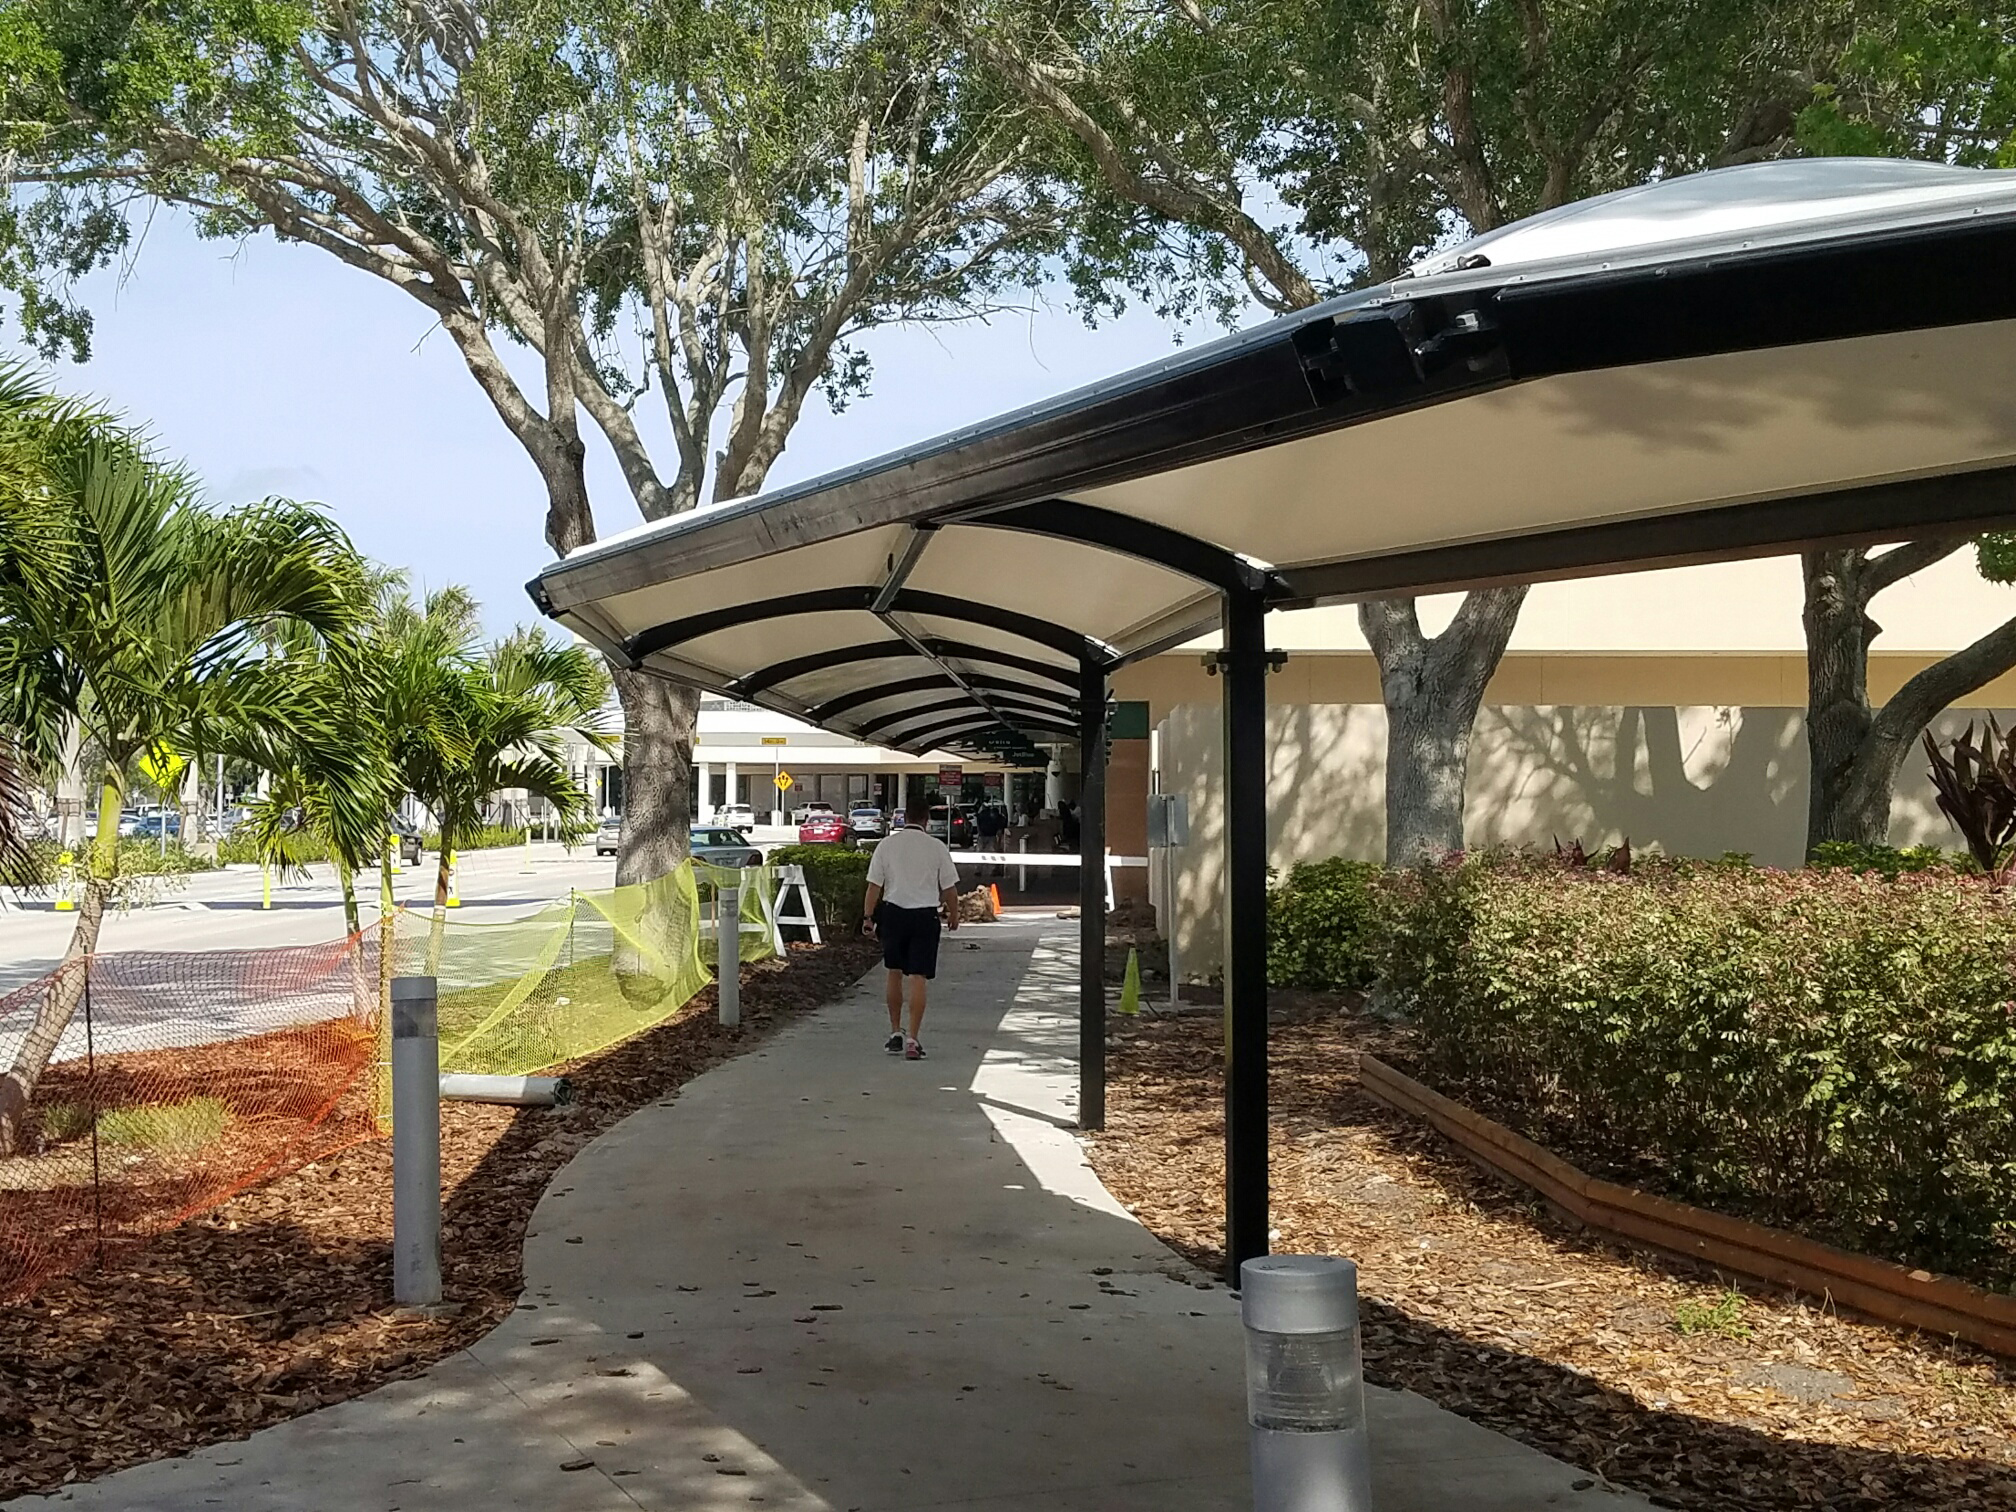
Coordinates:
1244 663
1092 896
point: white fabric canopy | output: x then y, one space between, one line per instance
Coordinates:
1736 362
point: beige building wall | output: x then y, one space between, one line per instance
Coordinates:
1666 707
1693 779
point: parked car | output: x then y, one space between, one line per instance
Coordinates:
608 834
952 824
824 829
867 823
806 811
735 816
150 826
725 847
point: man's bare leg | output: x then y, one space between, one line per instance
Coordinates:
918 985
892 994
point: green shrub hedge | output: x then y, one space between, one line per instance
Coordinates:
837 875
237 848
1321 925
1828 1051
490 837
1888 860
137 858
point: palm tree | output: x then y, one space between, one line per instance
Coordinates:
144 619
511 711
348 683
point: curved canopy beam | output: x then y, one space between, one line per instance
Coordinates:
818 661
891 727
671 633
932 734
1007 703
1109 530
938 682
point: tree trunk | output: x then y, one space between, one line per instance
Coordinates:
1857 751
437 927
1432 689
388 943
1843 800
31 1059
658 723
347 880
360 988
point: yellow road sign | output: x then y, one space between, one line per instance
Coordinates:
783 780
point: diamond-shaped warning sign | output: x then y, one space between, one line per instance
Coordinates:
783 781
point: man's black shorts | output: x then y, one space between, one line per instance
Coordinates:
909 939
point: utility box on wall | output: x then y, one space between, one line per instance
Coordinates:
1168 820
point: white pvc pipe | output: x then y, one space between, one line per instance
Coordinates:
514 1091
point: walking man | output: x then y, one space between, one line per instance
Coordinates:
910 876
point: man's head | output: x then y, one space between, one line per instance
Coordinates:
918 809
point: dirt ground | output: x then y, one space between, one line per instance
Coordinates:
1655 1374
280 1301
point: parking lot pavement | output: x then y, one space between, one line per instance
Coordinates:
222 910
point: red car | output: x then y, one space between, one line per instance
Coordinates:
824 829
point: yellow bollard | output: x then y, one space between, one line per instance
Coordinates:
392 849
454 892
66 883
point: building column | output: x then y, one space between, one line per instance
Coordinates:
1244 665
902 795
703 805
733 796
1092 897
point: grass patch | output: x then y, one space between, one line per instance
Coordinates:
64 1120
1722 1317
165 1128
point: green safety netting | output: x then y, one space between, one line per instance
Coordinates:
520 995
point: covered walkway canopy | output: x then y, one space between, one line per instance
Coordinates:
1742 362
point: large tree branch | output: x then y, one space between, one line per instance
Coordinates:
1166 196
1940 686
1900 562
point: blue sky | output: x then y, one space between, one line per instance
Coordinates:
274 369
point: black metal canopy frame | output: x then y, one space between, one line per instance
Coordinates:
1740 363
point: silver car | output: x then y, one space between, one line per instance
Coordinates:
867 823
608 835
725 847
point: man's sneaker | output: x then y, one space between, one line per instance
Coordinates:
913 1051
894 1044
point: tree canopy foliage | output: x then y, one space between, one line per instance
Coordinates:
709 199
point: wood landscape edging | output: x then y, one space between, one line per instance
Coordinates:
1879 1289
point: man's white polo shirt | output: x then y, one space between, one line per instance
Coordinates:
912 869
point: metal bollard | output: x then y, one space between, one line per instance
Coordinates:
728 946
416 1143
1305 1384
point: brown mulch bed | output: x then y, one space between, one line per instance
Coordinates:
1480 1300
280 1301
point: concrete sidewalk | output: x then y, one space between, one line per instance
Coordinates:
825 1279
